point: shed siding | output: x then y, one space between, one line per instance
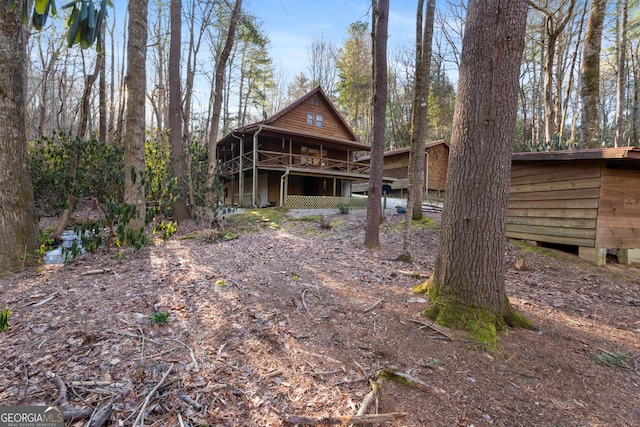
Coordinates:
438 166
554 202
619 209
397 166
296 119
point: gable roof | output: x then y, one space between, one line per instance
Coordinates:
270 123
316 91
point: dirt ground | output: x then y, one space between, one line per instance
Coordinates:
293 321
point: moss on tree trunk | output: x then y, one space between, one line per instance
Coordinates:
483 323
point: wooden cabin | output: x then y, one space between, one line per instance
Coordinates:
302 156
584 198
396 167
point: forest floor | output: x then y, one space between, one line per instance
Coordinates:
293 321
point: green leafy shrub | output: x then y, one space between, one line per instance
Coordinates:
343 208
166 230
161 188
4 319
160 317
62 164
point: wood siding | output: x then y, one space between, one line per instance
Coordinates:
619 209
438 166
396 165
296 119
554 202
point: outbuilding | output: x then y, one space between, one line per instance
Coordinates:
584 198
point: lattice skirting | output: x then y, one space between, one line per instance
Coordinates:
323 202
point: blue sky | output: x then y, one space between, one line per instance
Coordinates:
292 25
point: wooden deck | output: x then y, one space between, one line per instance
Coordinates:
275 160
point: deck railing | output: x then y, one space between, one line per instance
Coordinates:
275 159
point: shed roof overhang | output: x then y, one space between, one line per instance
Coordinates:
591 154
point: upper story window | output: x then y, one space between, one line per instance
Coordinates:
315 119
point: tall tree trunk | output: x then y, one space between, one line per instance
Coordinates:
175 110
569 88
135 127
122 95
554 30
635 110
467 288
620 85
591 75
379 30
85 103
19 236
102 90
221 66
419 121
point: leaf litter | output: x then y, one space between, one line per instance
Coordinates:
293 323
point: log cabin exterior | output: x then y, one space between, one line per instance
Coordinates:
396 166
585 198
302 156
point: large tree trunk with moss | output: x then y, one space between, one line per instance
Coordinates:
379 32
467 288
591 75
136 81
18 220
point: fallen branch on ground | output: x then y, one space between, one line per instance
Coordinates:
434 328
347 419
140 418
372 306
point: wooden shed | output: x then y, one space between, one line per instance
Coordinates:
584 198
396 167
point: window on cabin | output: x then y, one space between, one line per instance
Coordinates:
310 119
319 120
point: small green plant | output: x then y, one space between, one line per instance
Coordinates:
221 283
72 252
159 317
166 230
343 208
611 359
47 243
434 362
113 229
4 319
325 224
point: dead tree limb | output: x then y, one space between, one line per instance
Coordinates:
347 419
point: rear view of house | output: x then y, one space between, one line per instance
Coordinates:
302 156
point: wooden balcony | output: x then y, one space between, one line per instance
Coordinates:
281 161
